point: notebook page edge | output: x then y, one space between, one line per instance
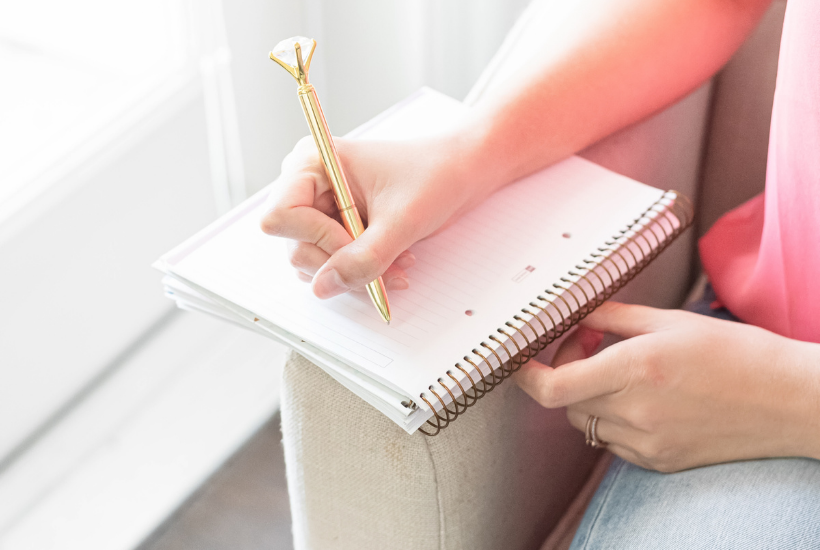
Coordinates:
379 392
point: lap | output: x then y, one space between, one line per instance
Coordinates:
756 504
772 503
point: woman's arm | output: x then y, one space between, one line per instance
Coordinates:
613 62
684 390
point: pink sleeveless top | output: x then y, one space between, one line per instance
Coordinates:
763 258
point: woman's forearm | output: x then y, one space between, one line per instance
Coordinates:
612 62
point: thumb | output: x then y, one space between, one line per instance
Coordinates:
359 262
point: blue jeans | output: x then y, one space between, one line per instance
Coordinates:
756 504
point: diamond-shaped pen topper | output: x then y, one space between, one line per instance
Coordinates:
294 55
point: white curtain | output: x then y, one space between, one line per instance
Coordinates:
370 54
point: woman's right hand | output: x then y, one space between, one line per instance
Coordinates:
404 191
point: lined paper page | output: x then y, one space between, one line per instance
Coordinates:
468 280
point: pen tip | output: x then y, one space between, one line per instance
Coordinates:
379 297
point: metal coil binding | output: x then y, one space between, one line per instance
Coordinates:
624 256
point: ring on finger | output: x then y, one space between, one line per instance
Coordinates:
590 431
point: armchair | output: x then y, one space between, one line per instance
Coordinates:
505 474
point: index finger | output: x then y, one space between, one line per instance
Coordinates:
626 320
292 213
602 374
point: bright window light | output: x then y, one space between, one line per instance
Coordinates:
70 68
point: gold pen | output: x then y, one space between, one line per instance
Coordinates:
288 53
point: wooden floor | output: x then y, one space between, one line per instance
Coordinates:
244 506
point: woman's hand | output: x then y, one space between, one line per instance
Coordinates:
404 192
685 390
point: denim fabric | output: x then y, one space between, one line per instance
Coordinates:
758 504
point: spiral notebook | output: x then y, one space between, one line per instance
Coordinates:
485 295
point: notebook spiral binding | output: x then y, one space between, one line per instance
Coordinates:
640 242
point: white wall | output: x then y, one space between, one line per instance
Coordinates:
76 286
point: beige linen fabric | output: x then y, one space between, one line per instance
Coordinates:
500 477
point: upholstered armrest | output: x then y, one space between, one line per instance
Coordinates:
500 477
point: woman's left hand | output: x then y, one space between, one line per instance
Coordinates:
684 390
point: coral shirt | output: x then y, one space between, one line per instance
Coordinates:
763 258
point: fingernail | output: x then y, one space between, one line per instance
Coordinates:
398 283
590 341
406 259
329 284
304 277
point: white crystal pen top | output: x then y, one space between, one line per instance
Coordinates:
286 51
